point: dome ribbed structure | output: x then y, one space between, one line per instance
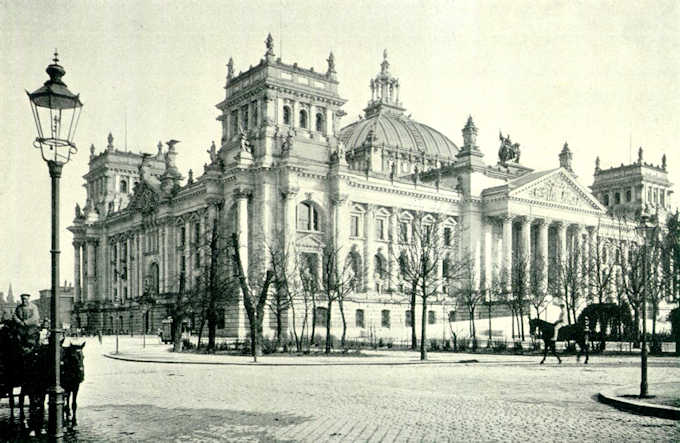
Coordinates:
385 124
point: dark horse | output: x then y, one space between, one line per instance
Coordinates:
546 331
72 374
22 364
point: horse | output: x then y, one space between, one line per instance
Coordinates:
72 374
574 332
16 343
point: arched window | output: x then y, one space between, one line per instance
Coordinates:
319 123
286 115
123 186
359 322
617 198
307 217
303 118
606 199
154 278
628 196
403 264
355 265
380 266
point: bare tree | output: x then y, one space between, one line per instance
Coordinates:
463 280
286 286
215 284
566 282
420 261
254 292
338 279
538 294
180 306
520 288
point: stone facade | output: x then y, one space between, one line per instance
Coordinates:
285 172
66 304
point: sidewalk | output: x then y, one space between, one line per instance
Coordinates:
623 398
161 353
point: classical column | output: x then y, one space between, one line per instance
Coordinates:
507 250
525 246
140 261
241 196
85 273
76 271
369 248
543 254
487 239
128 265
188 243
562 241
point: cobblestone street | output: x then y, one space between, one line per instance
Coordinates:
509 398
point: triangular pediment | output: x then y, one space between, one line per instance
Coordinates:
145 199
557 187
309 242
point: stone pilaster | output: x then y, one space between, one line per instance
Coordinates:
76 271
543 254
507 250
487 260
369 248
242 196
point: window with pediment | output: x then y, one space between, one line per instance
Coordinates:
385 320
307 217
286 115
320 123
359 318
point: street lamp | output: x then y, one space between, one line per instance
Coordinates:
56 111
644 229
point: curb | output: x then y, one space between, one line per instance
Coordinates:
639 407
224 363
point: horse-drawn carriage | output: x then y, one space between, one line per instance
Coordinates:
24 365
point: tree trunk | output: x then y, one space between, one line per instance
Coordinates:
344 323
177 335
200 333
212 328
521 320
636 342
414 336
255 340
423 336
311 340
279 326
328 326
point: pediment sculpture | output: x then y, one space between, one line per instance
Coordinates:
557 189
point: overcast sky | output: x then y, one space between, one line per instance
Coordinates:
603 76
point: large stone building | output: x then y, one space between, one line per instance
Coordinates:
7 304
285 170
65 304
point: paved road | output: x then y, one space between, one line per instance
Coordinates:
511 399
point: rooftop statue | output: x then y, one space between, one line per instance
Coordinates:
508 150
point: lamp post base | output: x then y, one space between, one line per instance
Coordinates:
56 414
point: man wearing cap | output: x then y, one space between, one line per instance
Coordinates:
26 314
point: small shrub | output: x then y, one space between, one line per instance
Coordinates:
434 345
381 343
655 347
463 344
500 346
447 345
518 348
187 345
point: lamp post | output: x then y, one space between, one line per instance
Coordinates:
56 111
644 229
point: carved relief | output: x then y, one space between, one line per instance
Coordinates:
558 190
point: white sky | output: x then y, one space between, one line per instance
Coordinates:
596 74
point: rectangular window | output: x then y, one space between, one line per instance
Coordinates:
245 117
198 259
408 317
220 318
182 264
385 318
403 232
447 236
234 122
380 228
182 236
197 234
428 233
253 122
431 317
360 318
321 317
355 226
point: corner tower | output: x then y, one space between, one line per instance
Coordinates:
274 106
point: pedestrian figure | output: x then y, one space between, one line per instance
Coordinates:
99 335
